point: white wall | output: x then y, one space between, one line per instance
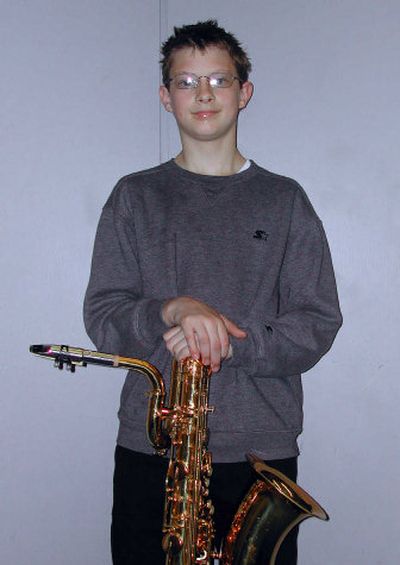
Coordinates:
79 108
73 119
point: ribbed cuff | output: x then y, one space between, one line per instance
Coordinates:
149 323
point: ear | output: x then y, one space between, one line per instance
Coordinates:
165 98
246 92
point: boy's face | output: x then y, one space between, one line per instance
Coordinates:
205 113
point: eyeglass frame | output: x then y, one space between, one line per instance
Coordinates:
197 78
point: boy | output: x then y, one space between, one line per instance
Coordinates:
209 256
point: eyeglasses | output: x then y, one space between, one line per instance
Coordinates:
187 81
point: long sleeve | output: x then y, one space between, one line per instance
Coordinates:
118 317
308 315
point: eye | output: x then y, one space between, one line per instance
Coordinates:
185 81
220 80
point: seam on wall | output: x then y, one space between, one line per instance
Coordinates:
162 124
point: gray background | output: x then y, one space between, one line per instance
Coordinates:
79 108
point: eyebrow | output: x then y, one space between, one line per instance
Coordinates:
210 73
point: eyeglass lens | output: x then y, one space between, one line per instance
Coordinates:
190 80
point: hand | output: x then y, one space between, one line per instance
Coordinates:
203 333
176 344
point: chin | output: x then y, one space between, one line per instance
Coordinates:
208 131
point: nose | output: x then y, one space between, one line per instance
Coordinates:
204 92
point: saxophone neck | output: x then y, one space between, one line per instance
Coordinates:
71 357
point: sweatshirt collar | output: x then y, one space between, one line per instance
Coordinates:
211 181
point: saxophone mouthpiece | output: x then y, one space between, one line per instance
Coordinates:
37 349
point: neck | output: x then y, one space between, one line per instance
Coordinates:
209 160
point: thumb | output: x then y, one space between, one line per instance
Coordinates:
233 329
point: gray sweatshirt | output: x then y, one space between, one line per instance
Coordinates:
251 246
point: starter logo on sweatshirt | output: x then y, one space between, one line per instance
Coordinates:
261 234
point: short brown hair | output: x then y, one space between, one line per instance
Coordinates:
200 36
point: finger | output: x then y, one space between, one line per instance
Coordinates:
214 341
173 338
171 332
233 329
175 335
177 345
181 350
203 341
192 342
224 340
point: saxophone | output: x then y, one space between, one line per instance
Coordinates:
272 507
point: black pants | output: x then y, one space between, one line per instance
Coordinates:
139 503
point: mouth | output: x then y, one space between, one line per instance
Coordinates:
204 114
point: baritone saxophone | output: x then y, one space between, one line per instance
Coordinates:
272 507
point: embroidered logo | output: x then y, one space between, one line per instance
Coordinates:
261 234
